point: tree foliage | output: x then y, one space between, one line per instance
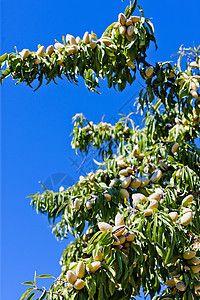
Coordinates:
141 205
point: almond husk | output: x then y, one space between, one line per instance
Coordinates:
103 226
50 49
79 284
80 269
119 220
71 277
40 51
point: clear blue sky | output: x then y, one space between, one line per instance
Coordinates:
35 126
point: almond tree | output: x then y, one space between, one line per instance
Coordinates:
141 206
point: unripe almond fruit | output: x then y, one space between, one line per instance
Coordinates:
130 30
93 45
186 219
78 39
163 165
155 196
70 39
24 53
187 200
136 150
156 176
79 284
148 212
119 220
130 64
144 182
138 198
175 148
50 49
129 38
94 266
122 239
37 61
194 86
135 183
173 215
153 204
124 194
194 261
189 254
86 37
118 230
149 71
123 172
80 269
61 189
91 177
98 256
130 236
129 170
122 19
121 163
126 182
135 19
71 49
82 180
106 40
40 51
129 22
76 203
195 269
59 46
107 197
122 30
60 61
159 191
179 173
104 226
194 94
71 277
180 285
88 205
171 282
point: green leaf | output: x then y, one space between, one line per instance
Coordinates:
26 293
3 58
101 294
35 278
45 276
111 287
31 296
28 283
5 74
130 9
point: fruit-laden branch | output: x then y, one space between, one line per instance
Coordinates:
133 250
160 127
176 86
99 196
112 56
